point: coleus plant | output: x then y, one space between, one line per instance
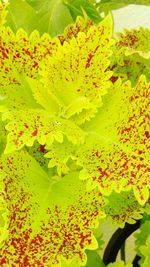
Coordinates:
74 141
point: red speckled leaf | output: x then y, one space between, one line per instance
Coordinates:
81 25
47 222
131 55
135 41
21 55
43 128
119 157
77 74
123 208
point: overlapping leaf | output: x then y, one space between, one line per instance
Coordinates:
79 7
20 55
51 220
132 54
93 259
39 15
46 223
145 250
123 208
72 30
43 128
77 74
135 41
38 151
60 154
47 125
119 156
141 237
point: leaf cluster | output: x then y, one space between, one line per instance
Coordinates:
74 132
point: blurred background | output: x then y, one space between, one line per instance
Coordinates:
131 16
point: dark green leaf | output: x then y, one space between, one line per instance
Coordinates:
78 7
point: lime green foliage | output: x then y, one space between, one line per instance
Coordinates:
40 15
74 136
115 155
3 13
135 41
43 128
20 56
81 25
43 15
119 264
59 118
93 259
38 151
141 237
73 88
132 54
123 208
147 208
47 219
59 155
26 52
3 213
145 250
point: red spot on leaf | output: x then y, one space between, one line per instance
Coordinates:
147 134
114 79
26 125
34 133
89 60
42 149
56 234
35 64
27 53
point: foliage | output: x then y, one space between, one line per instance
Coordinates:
74 133
141 237
78 7
52 16
145 249
48 16
119 264
131 55
107 5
